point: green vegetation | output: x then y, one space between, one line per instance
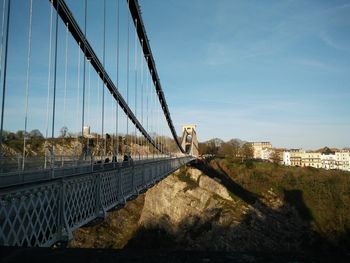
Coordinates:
321 197
233 149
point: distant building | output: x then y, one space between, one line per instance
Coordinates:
343 160
266 154
286 159
262 150
86 132
328 161
311 159
297 157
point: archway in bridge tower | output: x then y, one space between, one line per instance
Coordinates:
189 140
188 149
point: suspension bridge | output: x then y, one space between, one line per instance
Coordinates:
85 126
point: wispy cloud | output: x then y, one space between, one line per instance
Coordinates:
331 42
314 64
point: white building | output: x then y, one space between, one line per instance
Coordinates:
262 150
311 159
286 158
328 161
339 160
343 160
266 154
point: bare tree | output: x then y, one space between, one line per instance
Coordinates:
247 151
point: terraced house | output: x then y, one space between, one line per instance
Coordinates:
337 160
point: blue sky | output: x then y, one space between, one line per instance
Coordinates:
257 70
274 71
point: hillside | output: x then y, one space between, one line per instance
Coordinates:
320 196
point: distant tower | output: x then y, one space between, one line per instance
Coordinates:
189 140
86 131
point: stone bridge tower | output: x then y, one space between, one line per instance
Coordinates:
189 140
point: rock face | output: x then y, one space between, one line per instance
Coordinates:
197 212
189 210
174 198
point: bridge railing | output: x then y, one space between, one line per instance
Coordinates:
15 175
46 212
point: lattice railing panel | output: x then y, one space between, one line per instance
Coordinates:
80 202
110 189
154 172
30 217
147 173
138 175
127 181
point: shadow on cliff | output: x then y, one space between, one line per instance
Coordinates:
295 198
226 181
291 197
279 231
262 229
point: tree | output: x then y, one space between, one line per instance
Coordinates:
327 151
36 134
275 156
235 147
226 150
247 151
20 134
203 148
212 148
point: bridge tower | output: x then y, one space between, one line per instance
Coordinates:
189 140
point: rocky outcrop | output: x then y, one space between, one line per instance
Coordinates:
174 199
207 217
